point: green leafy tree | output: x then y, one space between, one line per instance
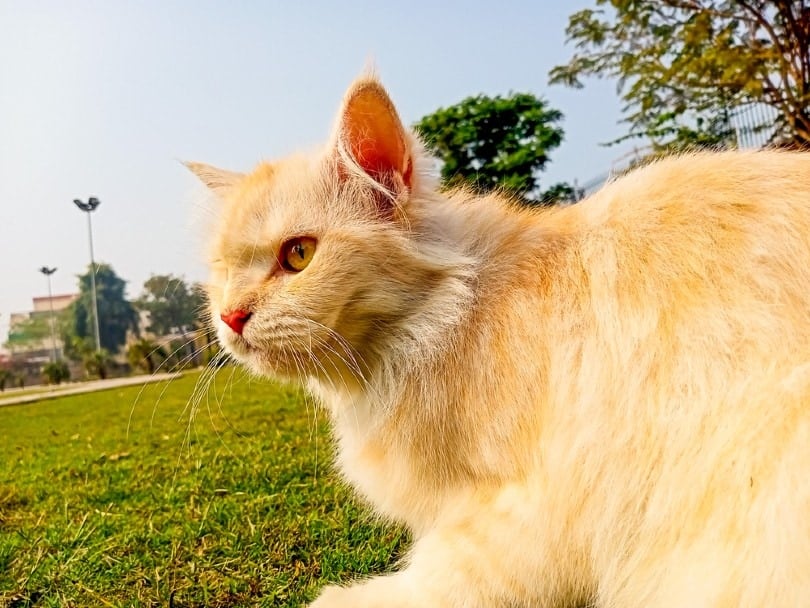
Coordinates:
496 143
201 299
685 66
116 315
171 304
74 347
175 307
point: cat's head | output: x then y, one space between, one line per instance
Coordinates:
316 261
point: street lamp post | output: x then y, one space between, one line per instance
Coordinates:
89 207
48 272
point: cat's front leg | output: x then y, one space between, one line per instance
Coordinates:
400 590
486 561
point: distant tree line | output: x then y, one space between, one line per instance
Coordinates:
175 333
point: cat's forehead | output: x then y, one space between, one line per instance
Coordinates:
276 200
280 186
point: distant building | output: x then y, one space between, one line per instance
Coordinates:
39 350
60 302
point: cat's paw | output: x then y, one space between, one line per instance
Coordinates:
335 597
381 592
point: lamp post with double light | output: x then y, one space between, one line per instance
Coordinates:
88 207
48 272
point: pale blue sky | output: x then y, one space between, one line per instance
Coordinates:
102 98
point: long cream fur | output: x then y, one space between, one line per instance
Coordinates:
603 404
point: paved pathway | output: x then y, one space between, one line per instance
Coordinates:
40 393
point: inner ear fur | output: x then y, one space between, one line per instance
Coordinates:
371 132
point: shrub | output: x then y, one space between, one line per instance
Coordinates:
97 363
56 372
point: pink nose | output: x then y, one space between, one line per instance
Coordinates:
236 320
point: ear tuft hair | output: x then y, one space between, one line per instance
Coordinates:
218 180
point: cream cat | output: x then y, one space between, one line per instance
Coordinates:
606 403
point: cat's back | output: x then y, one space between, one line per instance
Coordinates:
709 229
725 190
694 256
694 296
702 218
695 268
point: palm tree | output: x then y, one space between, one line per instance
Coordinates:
146 355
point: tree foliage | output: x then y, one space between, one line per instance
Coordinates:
495 142
146 355
97 363
56 372
116 315
74 347
172 305
684 65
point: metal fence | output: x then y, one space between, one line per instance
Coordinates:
753 126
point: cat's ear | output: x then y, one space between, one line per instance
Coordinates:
371 135
218 180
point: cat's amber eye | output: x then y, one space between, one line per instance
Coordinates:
297 253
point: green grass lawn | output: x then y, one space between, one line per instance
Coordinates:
116 499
